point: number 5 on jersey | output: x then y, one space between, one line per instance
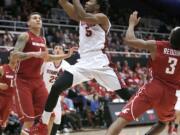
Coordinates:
172 65
88 31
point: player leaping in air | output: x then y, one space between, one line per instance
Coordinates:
94 25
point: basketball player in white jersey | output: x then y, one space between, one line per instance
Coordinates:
51 71
94 25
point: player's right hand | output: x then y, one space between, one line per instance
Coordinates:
3 86
71 50
134 19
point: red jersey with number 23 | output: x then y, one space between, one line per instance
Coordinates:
166 65
31 68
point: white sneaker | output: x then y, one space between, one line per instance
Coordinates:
66 130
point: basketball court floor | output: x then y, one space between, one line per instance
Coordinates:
127 131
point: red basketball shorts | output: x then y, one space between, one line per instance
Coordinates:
6 103
157 95
31 96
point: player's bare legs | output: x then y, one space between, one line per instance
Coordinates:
50 125
174 129
26 125
117 126
177 121
61 84
156 128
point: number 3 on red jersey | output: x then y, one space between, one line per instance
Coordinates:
172 65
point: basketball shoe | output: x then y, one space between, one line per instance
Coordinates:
39 129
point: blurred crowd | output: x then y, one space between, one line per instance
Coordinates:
19 10
70 38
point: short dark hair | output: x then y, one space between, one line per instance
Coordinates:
61 45
33 13
175 38
104 6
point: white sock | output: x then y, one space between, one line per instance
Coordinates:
46 117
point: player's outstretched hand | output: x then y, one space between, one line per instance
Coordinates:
14 55
3 86
134 19
42 55
71 50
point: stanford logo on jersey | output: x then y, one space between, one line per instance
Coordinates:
52 72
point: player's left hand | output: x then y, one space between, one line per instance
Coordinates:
42 55
134 19
14 55
3 86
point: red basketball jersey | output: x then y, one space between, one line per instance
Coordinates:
30 68
8 78
166 65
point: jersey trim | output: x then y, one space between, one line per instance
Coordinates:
57 66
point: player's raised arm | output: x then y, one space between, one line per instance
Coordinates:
98 18
69 9
133 21
21 42
62 56
131 40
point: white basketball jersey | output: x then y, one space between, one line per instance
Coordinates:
92 37
50 72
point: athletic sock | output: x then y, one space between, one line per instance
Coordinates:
46 117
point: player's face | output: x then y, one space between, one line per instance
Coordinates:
35 21
91 6
58 50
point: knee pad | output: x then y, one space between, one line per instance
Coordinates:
124 93
62 83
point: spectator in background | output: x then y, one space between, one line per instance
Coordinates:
8 39
70 119
95 104
79 100
1 40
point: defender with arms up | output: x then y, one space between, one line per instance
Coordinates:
159 94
